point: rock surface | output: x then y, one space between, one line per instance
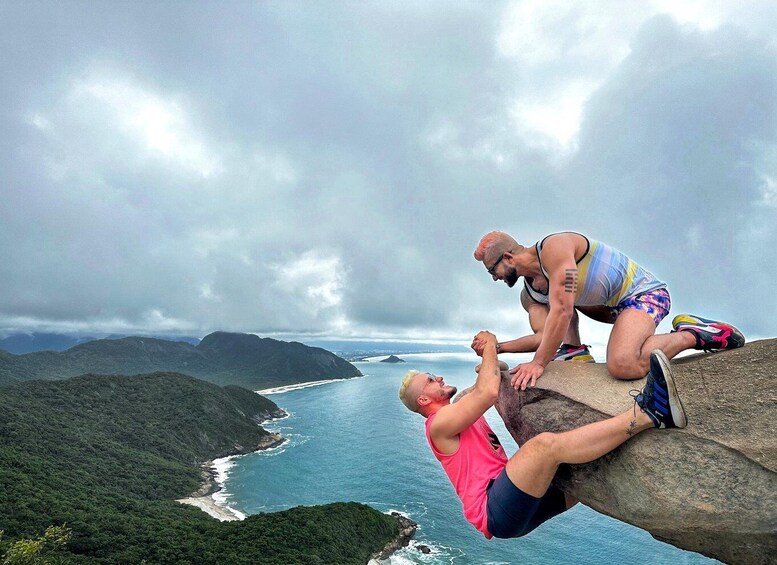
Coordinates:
711 487
407 529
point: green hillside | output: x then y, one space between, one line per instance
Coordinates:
107 456
223 358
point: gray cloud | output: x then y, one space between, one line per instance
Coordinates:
327 168
673 153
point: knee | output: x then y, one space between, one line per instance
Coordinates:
543 444
626 368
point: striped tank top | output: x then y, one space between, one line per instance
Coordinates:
606 277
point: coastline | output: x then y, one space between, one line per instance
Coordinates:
211 484
298 386
406 532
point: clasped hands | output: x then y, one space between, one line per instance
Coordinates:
521 375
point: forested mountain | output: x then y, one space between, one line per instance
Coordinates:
223 358
107 455
20 343
27 343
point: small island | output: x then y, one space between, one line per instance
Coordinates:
392 359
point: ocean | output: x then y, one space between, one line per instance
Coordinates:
353 440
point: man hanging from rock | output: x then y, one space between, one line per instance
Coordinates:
568 272
508 498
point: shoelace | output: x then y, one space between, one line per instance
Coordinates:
634 393
646 392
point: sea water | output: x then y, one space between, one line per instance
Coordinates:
353 440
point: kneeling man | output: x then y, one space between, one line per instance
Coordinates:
567 272
508 498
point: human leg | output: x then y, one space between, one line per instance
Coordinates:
603 314
522 497
535 464
513 513
631 341
572 336
533 467
538 314
571 348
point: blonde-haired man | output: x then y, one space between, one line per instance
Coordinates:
566 272
504 497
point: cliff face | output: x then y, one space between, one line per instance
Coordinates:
711 487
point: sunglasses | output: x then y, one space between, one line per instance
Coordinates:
492 267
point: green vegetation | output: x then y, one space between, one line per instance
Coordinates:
222 358
46 550
107 456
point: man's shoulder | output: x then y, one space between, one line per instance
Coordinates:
561 245
443 416
562 237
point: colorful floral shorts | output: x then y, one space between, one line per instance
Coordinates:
655 303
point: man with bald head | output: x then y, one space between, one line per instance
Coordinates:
568 272
508 498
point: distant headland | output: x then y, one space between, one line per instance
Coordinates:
221 357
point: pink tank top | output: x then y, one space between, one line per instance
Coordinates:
479 459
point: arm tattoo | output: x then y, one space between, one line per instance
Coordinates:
570 281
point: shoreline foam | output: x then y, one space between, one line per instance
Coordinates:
214 474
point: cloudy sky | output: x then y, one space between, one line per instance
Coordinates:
325 169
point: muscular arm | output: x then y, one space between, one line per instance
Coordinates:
558 257
453 418
537 315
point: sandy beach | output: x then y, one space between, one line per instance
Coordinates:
203 498
213 474
207 504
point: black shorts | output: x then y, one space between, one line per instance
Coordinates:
512 513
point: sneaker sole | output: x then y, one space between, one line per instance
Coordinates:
583 358
581 354
675 404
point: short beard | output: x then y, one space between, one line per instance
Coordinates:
511 277
452 392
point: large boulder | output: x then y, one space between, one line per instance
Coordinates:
711 487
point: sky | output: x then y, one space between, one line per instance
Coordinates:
325 169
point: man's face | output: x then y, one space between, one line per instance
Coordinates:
501 270
433 387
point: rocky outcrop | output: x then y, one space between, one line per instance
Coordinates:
407 530
711 487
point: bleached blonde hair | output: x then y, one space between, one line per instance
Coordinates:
498 241
403 393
